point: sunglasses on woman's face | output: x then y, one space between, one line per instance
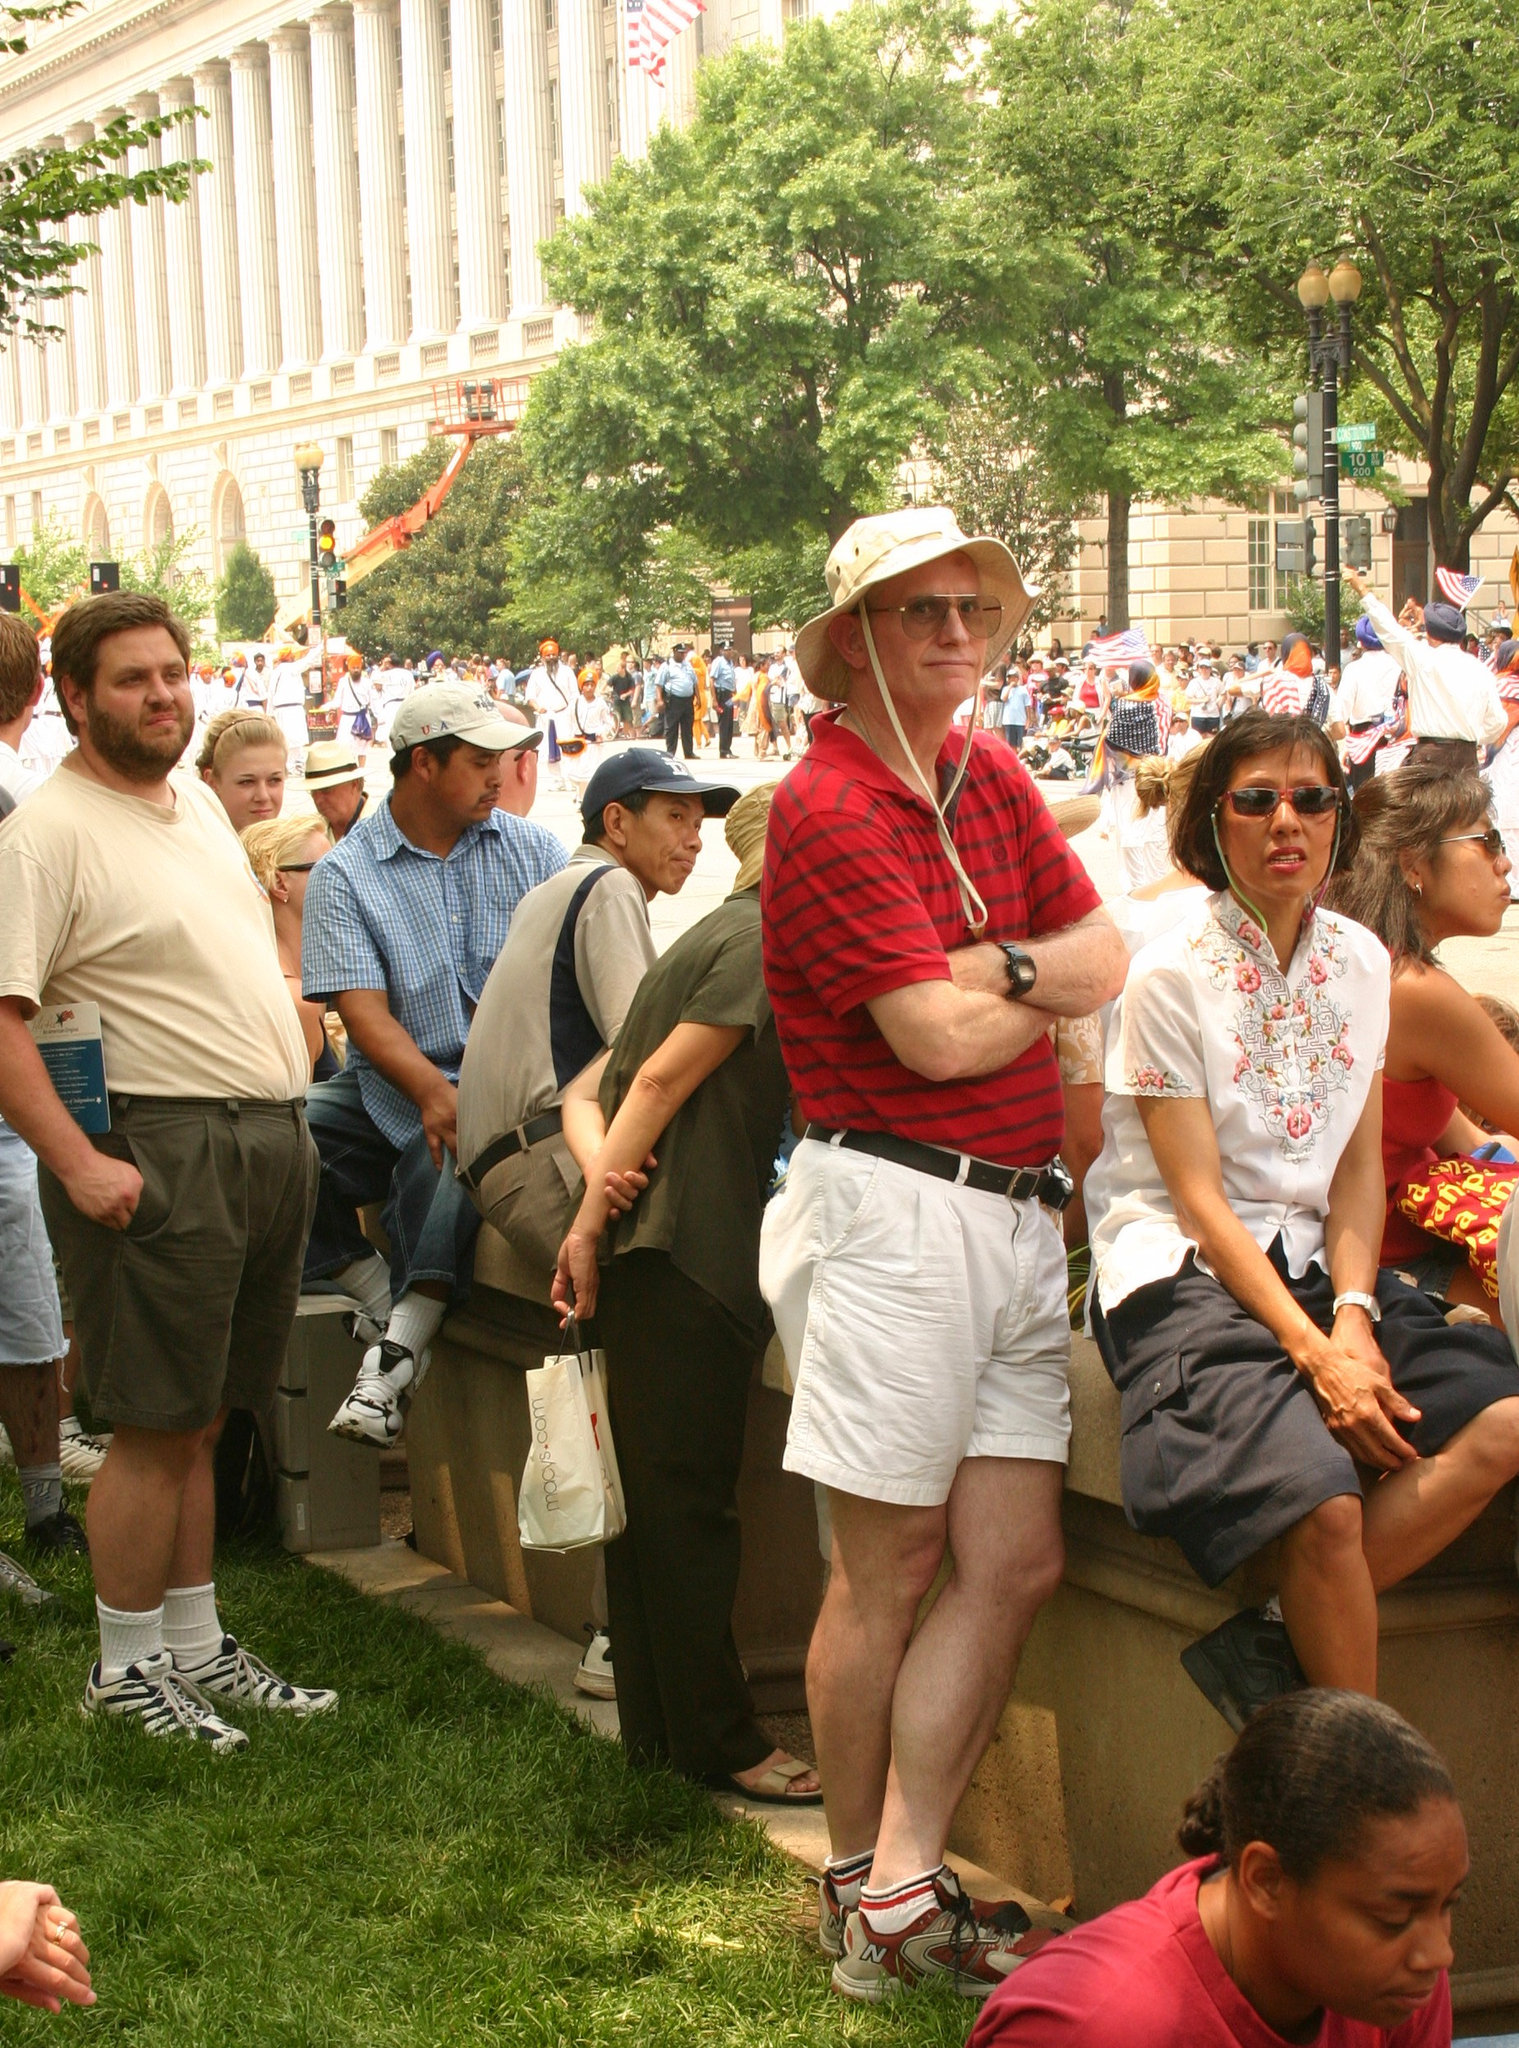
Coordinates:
1491 841
1309 800
296 867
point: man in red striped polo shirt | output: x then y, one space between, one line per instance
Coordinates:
924 925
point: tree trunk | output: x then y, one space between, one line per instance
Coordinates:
1118 560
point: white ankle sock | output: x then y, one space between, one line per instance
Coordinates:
414 1323
127 1638
192 1627
368 1281
850 1869
894 1906
42 1490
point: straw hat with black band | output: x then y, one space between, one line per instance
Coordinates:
871 552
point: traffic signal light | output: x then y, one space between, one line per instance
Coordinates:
1308 444
10 587
327 544
1355 540
339 593
1295 547
104 576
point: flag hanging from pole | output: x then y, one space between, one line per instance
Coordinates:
652 26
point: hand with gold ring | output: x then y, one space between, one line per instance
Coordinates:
43 1959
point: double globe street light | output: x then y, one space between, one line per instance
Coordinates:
1328 355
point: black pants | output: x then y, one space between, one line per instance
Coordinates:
678 1372
725 728
680 715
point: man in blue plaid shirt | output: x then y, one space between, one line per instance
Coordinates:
403 922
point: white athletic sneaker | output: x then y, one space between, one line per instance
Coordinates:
81 1454
375 1412
593 1674
14 1578
162 1703
235 1674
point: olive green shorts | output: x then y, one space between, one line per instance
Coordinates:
188 1310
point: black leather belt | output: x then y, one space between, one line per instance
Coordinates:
532 1132
1050 1184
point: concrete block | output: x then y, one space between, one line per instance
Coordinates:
329 1489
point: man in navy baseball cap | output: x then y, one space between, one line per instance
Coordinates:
641 768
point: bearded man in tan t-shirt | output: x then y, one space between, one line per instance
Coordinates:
181 1228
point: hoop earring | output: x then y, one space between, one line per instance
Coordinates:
1416 885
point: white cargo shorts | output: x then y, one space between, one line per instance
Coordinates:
923 1323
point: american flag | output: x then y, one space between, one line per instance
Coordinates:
1283 694
652 26
1458 588
1360 746
1120 647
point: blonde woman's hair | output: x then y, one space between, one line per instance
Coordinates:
272 842
230 731
1152 783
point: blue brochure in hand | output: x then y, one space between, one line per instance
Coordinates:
68 1037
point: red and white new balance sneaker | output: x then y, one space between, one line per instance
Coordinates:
975 1945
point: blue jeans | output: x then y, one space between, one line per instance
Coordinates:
428 1218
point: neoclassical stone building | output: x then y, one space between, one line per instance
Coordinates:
382 174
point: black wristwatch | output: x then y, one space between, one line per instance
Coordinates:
1022 971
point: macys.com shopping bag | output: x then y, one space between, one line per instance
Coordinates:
571 1494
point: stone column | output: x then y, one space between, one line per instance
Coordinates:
772 22
294 196
89 305
582 100
253 178
477 177
634 91
116 278
150 277
59 354
10 384
680 78
187 308
529 152
428 238
216 200
337 182
381 217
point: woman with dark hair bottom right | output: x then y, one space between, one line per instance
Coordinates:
1327 1851
1275 1386
1431 866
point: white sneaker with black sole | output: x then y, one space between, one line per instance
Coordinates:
237 1676
80 1453
375 1412
593 1674
161 1702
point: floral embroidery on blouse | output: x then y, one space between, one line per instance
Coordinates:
1154 1081
1292 1039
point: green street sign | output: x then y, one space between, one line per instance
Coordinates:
1355 437
1362 462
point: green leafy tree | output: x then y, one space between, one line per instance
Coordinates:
54 566
785 298
41 189
451 587
1129 387
245 596
997 481
1387 132
165 569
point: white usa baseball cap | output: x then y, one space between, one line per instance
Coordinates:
443 711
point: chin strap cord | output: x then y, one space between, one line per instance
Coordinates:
971 902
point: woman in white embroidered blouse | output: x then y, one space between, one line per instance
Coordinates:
1236 1211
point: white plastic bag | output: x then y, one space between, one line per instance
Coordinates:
571 1493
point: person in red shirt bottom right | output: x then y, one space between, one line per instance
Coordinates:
1328 1852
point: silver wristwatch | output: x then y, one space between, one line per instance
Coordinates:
1365 1301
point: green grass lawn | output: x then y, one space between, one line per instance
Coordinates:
445 1859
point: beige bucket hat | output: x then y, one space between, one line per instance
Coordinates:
884 545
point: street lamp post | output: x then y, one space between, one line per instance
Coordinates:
308 460
1328 355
